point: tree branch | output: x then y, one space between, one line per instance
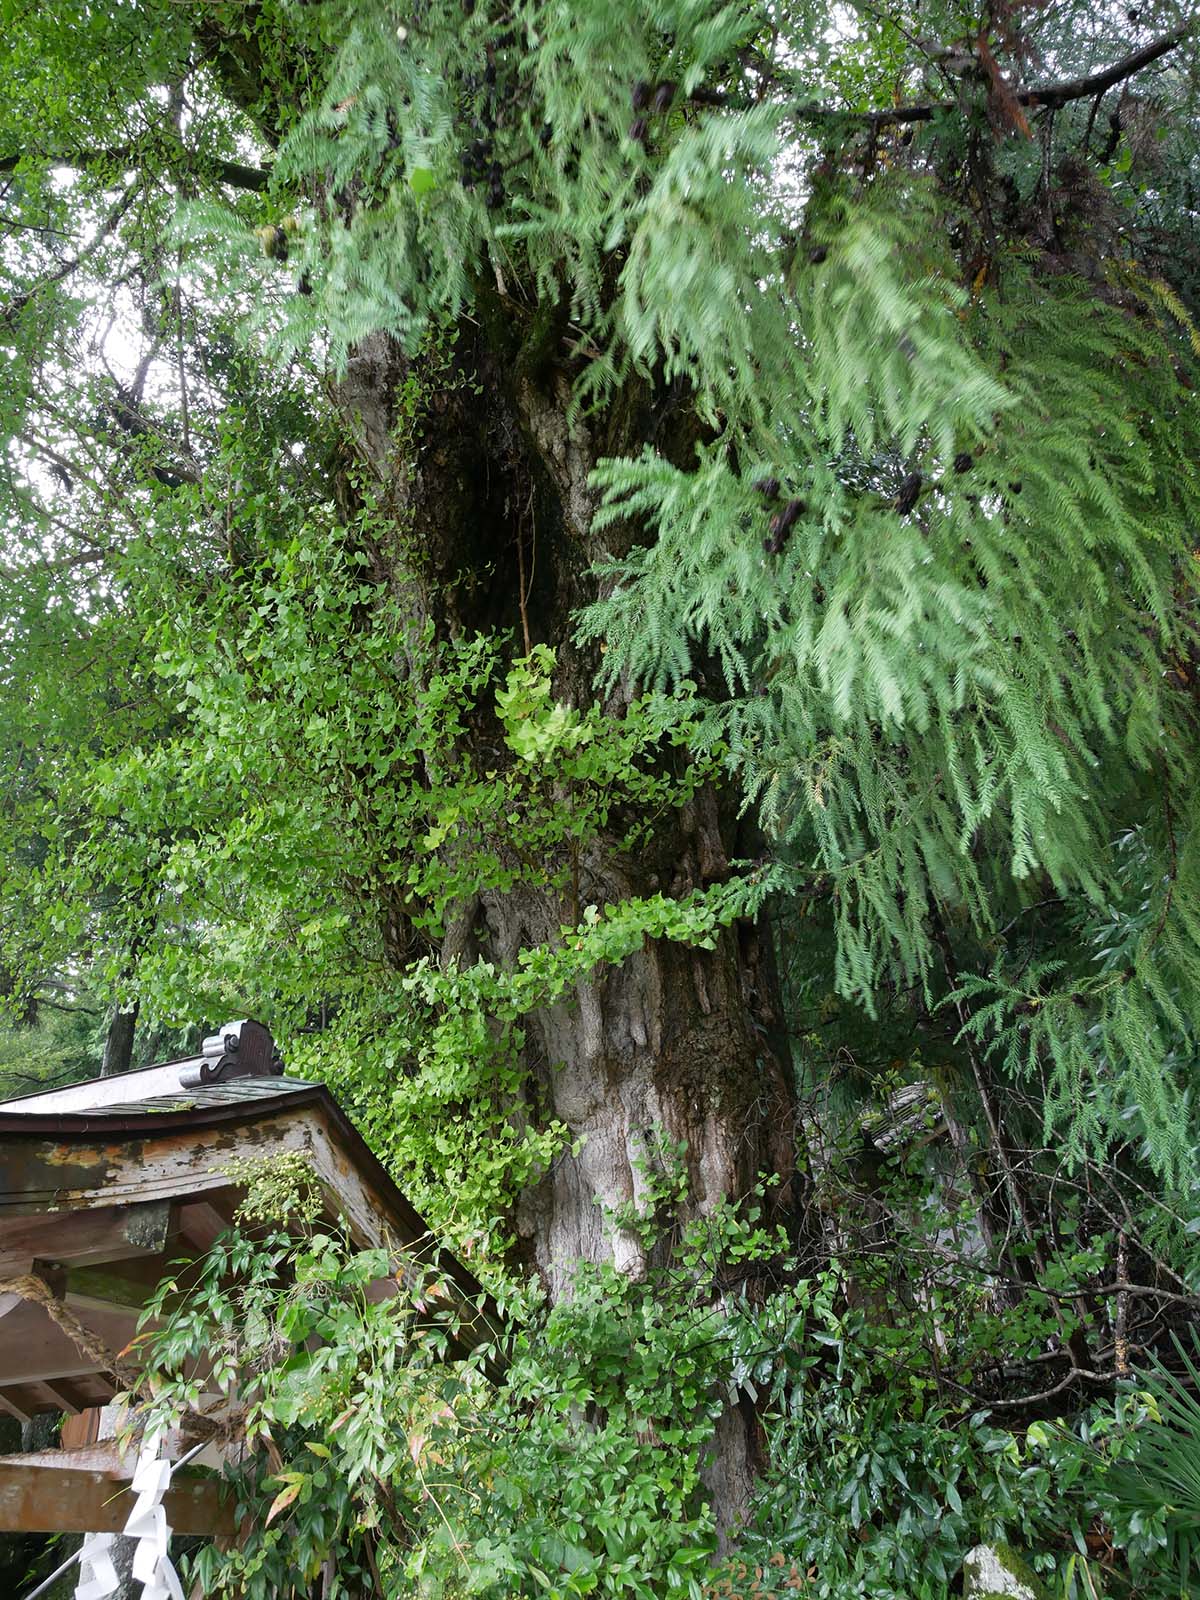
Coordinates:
81 558
1122 1286
234 173
1058 94
1085 1373
1052 95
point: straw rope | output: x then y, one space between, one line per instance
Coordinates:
195 1423
30 1287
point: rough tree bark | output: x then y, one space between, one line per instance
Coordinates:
494 496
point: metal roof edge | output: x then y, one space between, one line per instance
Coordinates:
80 1083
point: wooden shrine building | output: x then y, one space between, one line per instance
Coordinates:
107 1185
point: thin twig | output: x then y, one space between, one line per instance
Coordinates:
1046 1394
20 301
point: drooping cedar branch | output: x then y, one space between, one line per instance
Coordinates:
1049 95
234 173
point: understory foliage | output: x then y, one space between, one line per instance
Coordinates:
377 1432
832 386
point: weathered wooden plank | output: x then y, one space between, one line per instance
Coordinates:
371 1222
344 1188
103 1456
83 1237
54 1499
80 1172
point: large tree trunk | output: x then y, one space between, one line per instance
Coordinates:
494 496
493 531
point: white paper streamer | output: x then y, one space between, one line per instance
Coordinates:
148 1524
97 1575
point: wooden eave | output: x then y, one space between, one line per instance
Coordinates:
107 1187
58 1163
100 1203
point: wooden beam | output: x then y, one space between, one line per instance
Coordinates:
61 1398
101 1455
84 1237
79 1397
55 1499
11 1409
201 1224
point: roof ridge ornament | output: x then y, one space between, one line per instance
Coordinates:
242 1049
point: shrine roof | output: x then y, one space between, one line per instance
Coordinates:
106 1184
